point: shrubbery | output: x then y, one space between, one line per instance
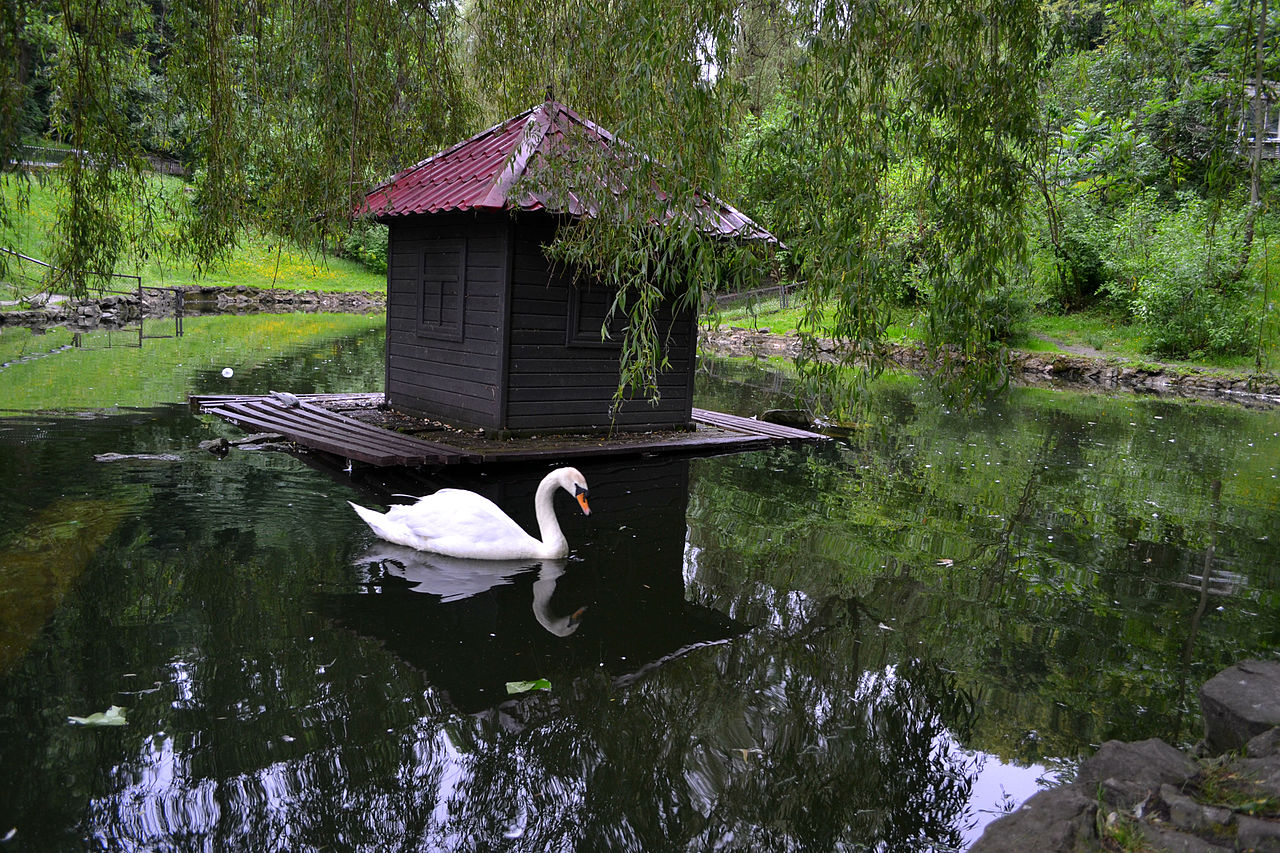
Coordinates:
1176 270
366 242
1173 267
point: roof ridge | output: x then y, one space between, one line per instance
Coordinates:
447 151
535 132
481 172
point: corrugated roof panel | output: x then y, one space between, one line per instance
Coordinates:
479 173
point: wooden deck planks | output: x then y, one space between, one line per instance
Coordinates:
321 429
752 425
331 432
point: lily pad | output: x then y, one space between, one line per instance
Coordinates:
526 686
113 716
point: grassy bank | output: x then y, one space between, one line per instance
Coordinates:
257 261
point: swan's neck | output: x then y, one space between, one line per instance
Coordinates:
553 542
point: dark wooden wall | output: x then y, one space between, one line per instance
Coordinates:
483 332
561 374
446 308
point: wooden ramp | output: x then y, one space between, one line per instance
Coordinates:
308 420
299 419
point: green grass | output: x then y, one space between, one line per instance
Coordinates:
1226 787
51 370
258 261
1097 332
1094 330
771 315
767 314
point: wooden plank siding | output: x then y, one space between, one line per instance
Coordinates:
444 342
561 374
482 332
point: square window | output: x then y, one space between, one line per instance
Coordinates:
442 289
589 305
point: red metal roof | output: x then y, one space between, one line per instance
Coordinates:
479 173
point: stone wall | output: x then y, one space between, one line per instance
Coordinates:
1061 370
117 310
1149 796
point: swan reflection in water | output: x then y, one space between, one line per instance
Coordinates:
455 578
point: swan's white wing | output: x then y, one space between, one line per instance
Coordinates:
462 523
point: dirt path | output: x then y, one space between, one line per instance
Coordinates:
1073 349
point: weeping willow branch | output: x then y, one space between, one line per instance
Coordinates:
941 92
287 110
948 89
284 112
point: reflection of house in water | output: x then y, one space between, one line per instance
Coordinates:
470 634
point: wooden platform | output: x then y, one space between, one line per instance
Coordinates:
332 423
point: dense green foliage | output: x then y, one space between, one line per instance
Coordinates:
282 114
1144 172
968 159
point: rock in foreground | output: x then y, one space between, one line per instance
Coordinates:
1150 796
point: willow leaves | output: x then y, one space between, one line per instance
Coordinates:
286 111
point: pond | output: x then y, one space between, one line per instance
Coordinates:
879 643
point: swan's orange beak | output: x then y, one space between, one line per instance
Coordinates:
582 502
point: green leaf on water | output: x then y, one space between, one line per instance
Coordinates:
526 686
113 716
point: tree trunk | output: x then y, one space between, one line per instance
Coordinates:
1255 155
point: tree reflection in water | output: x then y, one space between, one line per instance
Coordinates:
669 727
810 649
837 759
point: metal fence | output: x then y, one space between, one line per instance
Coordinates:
40 283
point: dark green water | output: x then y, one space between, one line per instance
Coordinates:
876 644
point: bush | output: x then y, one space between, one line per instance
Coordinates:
1177 272
366 242
1070 275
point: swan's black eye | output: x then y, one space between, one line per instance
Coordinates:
578 490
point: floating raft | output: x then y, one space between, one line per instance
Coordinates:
318 422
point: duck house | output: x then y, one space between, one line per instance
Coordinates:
483 330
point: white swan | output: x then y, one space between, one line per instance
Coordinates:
459 523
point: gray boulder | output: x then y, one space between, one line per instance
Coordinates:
1058 820
1125 773
1240 703
1260 836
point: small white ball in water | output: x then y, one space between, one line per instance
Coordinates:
227 373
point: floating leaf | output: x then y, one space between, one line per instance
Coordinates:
113 716
526 686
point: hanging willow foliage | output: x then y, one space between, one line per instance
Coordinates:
289 109
14 76
947 88
285 110
100 61
648 70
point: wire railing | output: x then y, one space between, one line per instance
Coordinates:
40 285
50 268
